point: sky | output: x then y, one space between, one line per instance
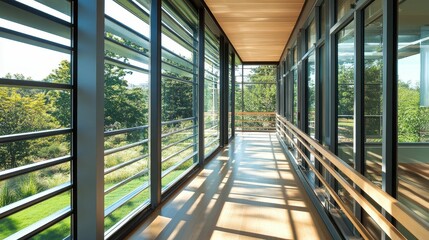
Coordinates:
15 57
38 63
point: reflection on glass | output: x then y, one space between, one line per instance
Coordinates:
345 78
179 91
230 93
373 92
413 108
126 104
323 19
295 97
311 94
311 35
343 6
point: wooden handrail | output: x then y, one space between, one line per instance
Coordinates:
256 113
399 211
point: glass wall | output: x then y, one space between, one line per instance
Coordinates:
126 106
258 99
231 73
413 106
311 94
179 90
211 92
36 112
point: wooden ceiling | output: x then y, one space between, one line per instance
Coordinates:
258 29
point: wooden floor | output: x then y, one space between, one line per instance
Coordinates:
249 191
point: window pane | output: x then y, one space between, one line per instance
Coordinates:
345 78
311 34
36 89
413 106
373 97
126 104
311 94
211 92
179 90
343 6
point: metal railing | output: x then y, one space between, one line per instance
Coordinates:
337 168
255 121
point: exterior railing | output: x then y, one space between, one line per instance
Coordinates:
255 121
305 146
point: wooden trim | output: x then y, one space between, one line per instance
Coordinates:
399 211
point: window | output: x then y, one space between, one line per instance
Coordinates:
36 112
311 94
126 106
413 106
179 90
311 35
258 91
343 6
211 92
345 96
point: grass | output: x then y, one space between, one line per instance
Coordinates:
16 189
26 217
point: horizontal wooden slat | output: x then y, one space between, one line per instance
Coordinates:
257 29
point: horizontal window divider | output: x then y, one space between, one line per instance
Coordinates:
125 130
34 84
125 147
212 135
214 75
212 142
126 51
10 173
109 210
125 181
213 126
173 67
212 57
178 121
178 131
172 54
169 77
175 166
177 28
37 12
135 9
214 49
176 37
33 200
32 40
177 153
124 65
210 81
181 22
169 9
178 142
41 225
124 164
121 26
33 135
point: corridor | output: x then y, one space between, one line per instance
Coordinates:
248 191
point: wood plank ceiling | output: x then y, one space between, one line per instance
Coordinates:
258 29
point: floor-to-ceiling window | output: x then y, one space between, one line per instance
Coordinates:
126 107
37 88
179 90
413 106
258 98
211 92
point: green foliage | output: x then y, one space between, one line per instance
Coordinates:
23 111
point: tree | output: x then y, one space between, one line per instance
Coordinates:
22 111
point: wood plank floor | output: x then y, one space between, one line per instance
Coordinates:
249 191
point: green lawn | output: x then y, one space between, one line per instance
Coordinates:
25 218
